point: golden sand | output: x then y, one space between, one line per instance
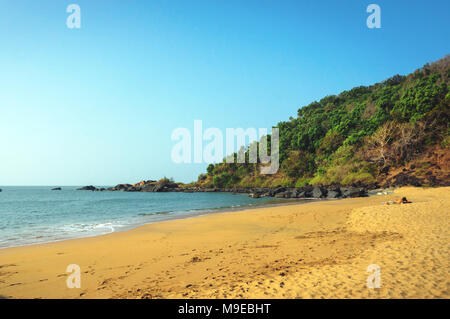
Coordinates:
315 250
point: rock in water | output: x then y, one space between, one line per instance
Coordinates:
283 195
56 189
87 188
123 187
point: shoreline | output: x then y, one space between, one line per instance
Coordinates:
193 213
266 252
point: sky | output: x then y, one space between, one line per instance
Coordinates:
97 105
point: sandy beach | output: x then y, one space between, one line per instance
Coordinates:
314 250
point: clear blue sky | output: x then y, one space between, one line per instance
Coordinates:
97 105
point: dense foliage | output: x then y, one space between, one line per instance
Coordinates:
353 136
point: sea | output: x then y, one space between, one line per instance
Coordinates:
35 215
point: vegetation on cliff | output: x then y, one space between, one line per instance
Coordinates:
396 131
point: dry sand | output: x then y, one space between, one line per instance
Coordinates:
314 250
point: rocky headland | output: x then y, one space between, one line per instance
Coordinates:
307 191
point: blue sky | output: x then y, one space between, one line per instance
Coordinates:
97 105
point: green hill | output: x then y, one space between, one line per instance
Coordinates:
393 132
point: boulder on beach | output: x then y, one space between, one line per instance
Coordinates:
353 192
300 194
319 192
308 190
333 194
279 190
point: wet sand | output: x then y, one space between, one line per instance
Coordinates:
314 250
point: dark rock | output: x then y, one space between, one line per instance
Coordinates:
56 189
143 183
333 194
353 192
318 192
298 193
87 188
159 188
164 185
301 194
283 195
0 190
349 192
278 190
334 191
122 187
130 188
241 190
371 186
334 187
308 190
257 192
148 188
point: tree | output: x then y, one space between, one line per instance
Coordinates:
210 169
378 144
298 164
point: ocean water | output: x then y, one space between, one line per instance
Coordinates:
32 215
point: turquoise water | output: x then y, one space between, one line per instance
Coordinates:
32 215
